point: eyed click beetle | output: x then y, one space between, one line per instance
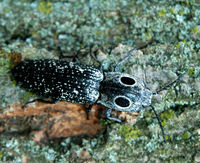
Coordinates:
69 81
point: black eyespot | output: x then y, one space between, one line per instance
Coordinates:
127 80
122 102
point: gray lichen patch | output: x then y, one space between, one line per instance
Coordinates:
72 26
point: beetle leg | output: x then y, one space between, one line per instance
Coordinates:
74 58
89 110
111 118
39 100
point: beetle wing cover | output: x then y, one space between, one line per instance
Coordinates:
59 80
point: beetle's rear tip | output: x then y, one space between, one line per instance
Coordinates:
15 59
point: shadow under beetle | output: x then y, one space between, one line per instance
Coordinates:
61 80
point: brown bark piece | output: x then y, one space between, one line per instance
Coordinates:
60 120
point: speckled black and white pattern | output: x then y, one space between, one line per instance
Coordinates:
59 80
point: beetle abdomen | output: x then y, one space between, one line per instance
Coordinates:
59 80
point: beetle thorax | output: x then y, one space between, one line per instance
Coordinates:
123 92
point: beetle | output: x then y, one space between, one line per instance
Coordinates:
69 81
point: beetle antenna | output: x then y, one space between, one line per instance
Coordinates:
159 121
170 84
130 53
125 59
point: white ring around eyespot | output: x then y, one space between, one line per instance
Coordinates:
127 76
130 103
